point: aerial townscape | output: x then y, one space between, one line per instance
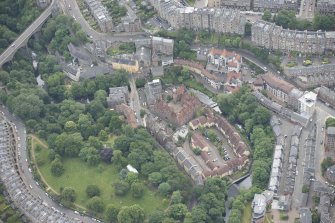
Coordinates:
167 111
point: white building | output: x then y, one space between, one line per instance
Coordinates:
259 207
307 104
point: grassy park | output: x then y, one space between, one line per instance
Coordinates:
78 175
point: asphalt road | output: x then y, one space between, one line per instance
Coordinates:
75 12
134 100
307 8
27 175
11 50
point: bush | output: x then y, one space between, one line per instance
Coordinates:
121 188
57 168
92 191
164 189
38 148
95 204
305 189
40 161
137 189
196 151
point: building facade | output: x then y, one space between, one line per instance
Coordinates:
325 6
101 15
330 138
214 19
271 36
117 95
153 91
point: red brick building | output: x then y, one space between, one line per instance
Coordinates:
180 110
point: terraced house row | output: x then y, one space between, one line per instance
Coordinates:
256 5
210 19
322 6
275 37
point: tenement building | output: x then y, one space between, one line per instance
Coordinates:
325 6
220 20
330 138
275 5
275 37
101 15
312 76
235 4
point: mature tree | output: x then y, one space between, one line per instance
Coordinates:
177 211
122 143
155 178
199 215
137 189
26 106
131 177
176 197
106 155
267 16
68 196
212 135
95 142
57 168
96 204
164 189
118 160
261 116
156 216
68 144
111 213
132 214
103 135
70 126
121 188
90 155
92 190
260 173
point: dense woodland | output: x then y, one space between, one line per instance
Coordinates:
15 17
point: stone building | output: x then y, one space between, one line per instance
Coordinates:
235 4
271 36
153 91
327 96
101 15
180 110
259 208
162 51
275 5
325 6
330 138
129 64
224 60
217 20
117 95
278 88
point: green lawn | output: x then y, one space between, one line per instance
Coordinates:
246 218
78 175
